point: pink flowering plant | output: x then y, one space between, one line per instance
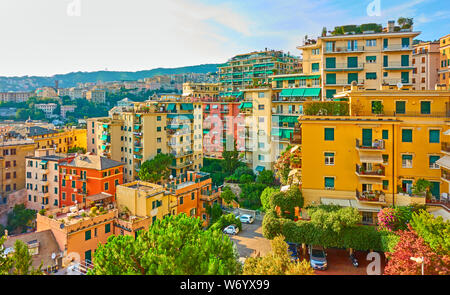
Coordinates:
388 219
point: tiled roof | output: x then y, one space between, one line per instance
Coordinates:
92 162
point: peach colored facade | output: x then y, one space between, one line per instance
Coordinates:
425 59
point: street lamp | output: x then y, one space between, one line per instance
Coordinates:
419 260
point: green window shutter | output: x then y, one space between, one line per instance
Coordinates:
385 184
371 58
405 42
315 67
352 62
329 154
405 77
329 134
405 60
107 228
371 75
433 159
400 107
434 136
435 189
385 43
330 62
407 157
87 235
425 107
330 93
367 137
331 78
385 61
352 77
385 134
329 182
407 136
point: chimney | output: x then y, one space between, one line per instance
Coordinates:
390 26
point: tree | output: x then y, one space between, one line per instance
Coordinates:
266 177
243 170
434 231
177 245
20 218
265 196
411 245
245 178
277 262
231 159
227 195
335 220
157 168
214 211
250 196
287 202
226 220
23 260
6 262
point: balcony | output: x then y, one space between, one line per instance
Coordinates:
394 82
445 147
445 175
392 66
343 82
377 145
378 171
354 49
398 47
344 67
373 196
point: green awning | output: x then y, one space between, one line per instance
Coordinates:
171 107
103 147
136 127
43 162
205 131
245 105
105 125
174 127
104 137
298 92
286 133
187 106
260 168
312 92
138 115
297 78
276 132
180 116
137 149
288 119
286 92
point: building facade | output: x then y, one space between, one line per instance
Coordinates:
444 53
426 65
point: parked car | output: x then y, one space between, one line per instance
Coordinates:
293 251
231 229
246 218
317 257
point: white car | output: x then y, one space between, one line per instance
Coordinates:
246 218
231 229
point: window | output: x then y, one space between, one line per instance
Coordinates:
425 107
63 195
192 196
261 107
385 159
407 161
107 228
330 63
371 76
331 79
371 59
371 43
329 159
329 134
158 118
400 107
329 183
158 129
260 157
181 200
385 134
63 182
87 235
406 135
106 186
385 184
260 94
434 136
377 107
330 93
314 67
432 162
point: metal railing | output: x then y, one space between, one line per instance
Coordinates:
397 47
378 171
344 49
371 196
375 145
344 82
344 66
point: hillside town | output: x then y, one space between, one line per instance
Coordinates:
335 152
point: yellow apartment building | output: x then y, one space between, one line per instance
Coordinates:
155 126
201 90
444 164
425 60
368 54
444 53
12 165
370 149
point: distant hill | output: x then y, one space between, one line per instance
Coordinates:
30 83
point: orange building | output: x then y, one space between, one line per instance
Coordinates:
88 177
193 193
444 53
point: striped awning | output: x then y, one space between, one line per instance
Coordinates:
371 158
444 162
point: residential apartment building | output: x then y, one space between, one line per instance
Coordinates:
15 96
444 164
67 109
42 179
165 125
12 165
368 54
372 155
425 60
253 69
97 96
47 108
201 90
88 176
444 53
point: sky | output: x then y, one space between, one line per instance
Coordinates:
47 37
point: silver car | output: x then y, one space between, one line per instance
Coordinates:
231 230
246 218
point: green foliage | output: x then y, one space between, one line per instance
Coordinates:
389 240
215 168
227 195
76 149
245 178
265 196
250 195
215 212
226 220
266 177
230 159
434 231
6 262
328 108
287 201
177 245
20 218
335 220
157 168
20 262
421 186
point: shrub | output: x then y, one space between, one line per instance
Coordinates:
226 220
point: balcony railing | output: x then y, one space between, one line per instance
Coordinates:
445 175
397 65
371 196
378 171
394 82
376 145
445 146
344 49
343 82
344 66
397 47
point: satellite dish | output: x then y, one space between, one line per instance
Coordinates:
53 255
399 85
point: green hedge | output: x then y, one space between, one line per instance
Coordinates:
331 108
226 220
359 237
